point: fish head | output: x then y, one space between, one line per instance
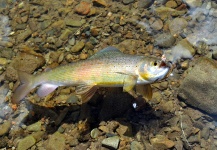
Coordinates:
152 70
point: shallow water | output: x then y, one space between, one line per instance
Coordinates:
36 35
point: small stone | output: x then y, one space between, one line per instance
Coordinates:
163 85
214 54
94 133
3 61
177 25
127 1
5 128
185 64
136 146
94 32
26 143
104 129
193 3
78 47
73 22
38 135
22 36
156 24
111 142
100 2
165 40
171 4
56 142
145 3
161 142
72 41
205 133
83 8
83 56
65 34
45 24
124 129
167 107
34 127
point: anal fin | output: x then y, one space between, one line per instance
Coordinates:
46 89
145 91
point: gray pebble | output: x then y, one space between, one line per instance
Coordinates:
128 1
165 40
112 142
205 133
145 3
136 146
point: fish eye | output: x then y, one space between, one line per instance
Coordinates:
155 63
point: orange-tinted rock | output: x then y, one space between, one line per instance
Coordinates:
83 8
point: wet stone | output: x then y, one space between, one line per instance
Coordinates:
74 23
94 133
171 4
128 1
83 8
136 146
161 142
165 40
196 86
5 128
193 3
26 143
78 47
22 36
177 25
145 3
34 127
111 142
56 142
205 133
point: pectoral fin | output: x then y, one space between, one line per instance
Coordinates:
129 84
145 91
85 92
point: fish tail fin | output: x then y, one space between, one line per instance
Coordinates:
26 85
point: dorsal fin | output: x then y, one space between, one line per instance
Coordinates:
108 51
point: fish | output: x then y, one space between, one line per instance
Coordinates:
107 68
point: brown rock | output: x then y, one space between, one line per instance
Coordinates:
161 142
23 62
83 8
100 2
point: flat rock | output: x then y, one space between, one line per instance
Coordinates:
56 142
5 128
200 85
111 142
193 3
26 143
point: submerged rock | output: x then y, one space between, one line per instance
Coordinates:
111 142
199 87
5 128
26 143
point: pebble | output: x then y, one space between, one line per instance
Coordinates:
5 127
214 54
83 8
171 4
6 44
205 133
161 142
145 3
34 127
3 61
136 146
177 25
26 143
74 23
111 142
156 23
165 40
167 107
78 47
185 64
193 3
94 133
124 129
83 56
100 3
65 34
56 142
127 1
22 36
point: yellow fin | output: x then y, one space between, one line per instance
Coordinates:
145 91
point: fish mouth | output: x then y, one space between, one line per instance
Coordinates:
163 64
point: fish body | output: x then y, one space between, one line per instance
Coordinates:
107 68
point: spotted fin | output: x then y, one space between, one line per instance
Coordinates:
145 91
106 52
46 89
85 92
